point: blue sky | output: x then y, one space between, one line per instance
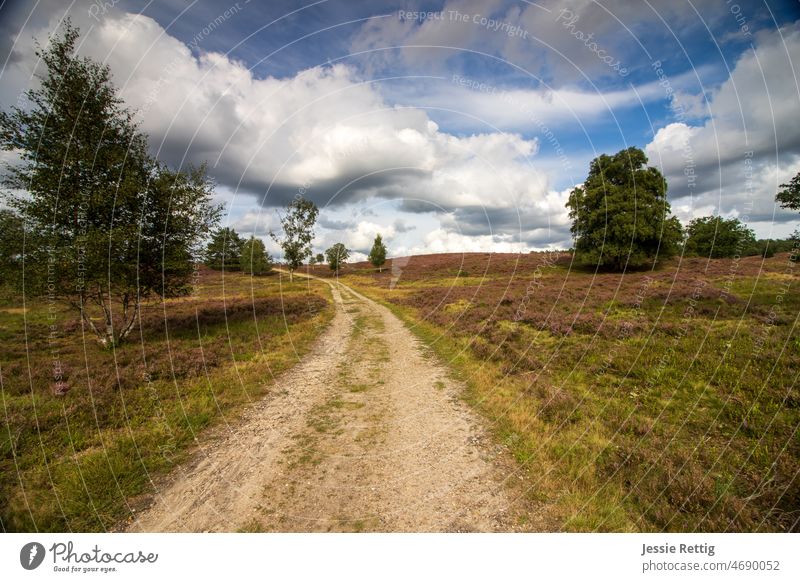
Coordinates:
460 129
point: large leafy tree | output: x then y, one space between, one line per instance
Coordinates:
621 216
113 225
337 255
716 237
254 259
377 255
224 250
789 197
298 232
12 239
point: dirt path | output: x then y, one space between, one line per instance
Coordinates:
366 434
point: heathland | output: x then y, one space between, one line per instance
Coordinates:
654 400
86 429
658 400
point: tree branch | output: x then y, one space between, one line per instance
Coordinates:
81 307
129 324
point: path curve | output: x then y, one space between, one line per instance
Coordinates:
366 433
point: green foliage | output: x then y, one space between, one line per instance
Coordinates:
377 256
254 258
789 197
176 215
768 247
320 258
337 255
298 232
716 237
12 237
112 224
621 217
224 250
130 416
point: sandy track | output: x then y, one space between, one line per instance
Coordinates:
367 433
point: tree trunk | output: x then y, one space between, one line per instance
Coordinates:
105 335
128 323
108 339
81 307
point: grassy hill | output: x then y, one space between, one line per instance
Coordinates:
650 401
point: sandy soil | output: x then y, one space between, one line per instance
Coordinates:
367 433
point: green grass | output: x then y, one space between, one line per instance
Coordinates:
682 424
80 461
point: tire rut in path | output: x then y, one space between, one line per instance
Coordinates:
366 433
